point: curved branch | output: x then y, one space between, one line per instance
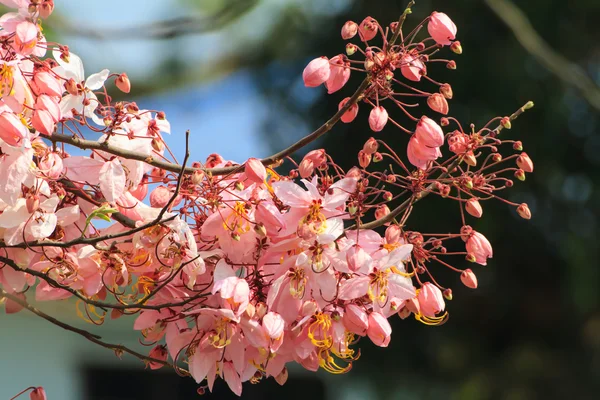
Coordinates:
564 69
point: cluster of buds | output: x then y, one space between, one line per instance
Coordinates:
236 268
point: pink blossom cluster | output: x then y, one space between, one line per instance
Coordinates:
236 270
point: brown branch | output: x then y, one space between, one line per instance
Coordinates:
420 195
103 305
561 67
117 348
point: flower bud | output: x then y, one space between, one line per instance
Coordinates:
474 208
351 49
446 91
379 330
46 8
261 310
357 258
382 211
448 294
523 211
160 353
441 28
38 394
123 83
260 229
497 157
364 159
306 168
392 234
518 145
160 197
367 29
431 300
437 102
388 196
456 47
429 133
525 163
469 279
451 64
157 145
71 87
355 320
378 118
349 30
371 146
316 72
479 248
354 172
351 113
255 171
520 175
377 157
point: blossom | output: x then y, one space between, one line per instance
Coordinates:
441 28
479 247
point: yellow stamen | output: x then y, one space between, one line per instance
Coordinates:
237 222
432 321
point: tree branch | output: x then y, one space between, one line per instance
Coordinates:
564 69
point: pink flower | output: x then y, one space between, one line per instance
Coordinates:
479 247
349 30
51 165
429 133
316 72
12 130
438 103
38 394
468 279
255 171
351 113
368 29
420 155
431 300
525 163
160 197
474 208
412 67
355 319
159 352
339 75
378 118
379 330
26 37
441 28
47 83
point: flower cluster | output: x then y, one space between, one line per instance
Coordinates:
237 269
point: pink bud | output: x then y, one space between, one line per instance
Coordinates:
43 122
318 157
160 197
123 83
474 208
392 234
339 73
379 330
354 172
367 29
255 171
523 211
356 320
306 168
419 155
46 8
469 279
446 91
371 146
38 394
159 352
349 30
378 118
431 300
456 47
381 211
71 87
525 163
316 72
50 104
479 247
12 130
364 159
351 113
357 258
429 133
47 83
412 68
441 28
438 103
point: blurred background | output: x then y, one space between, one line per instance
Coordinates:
230 71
